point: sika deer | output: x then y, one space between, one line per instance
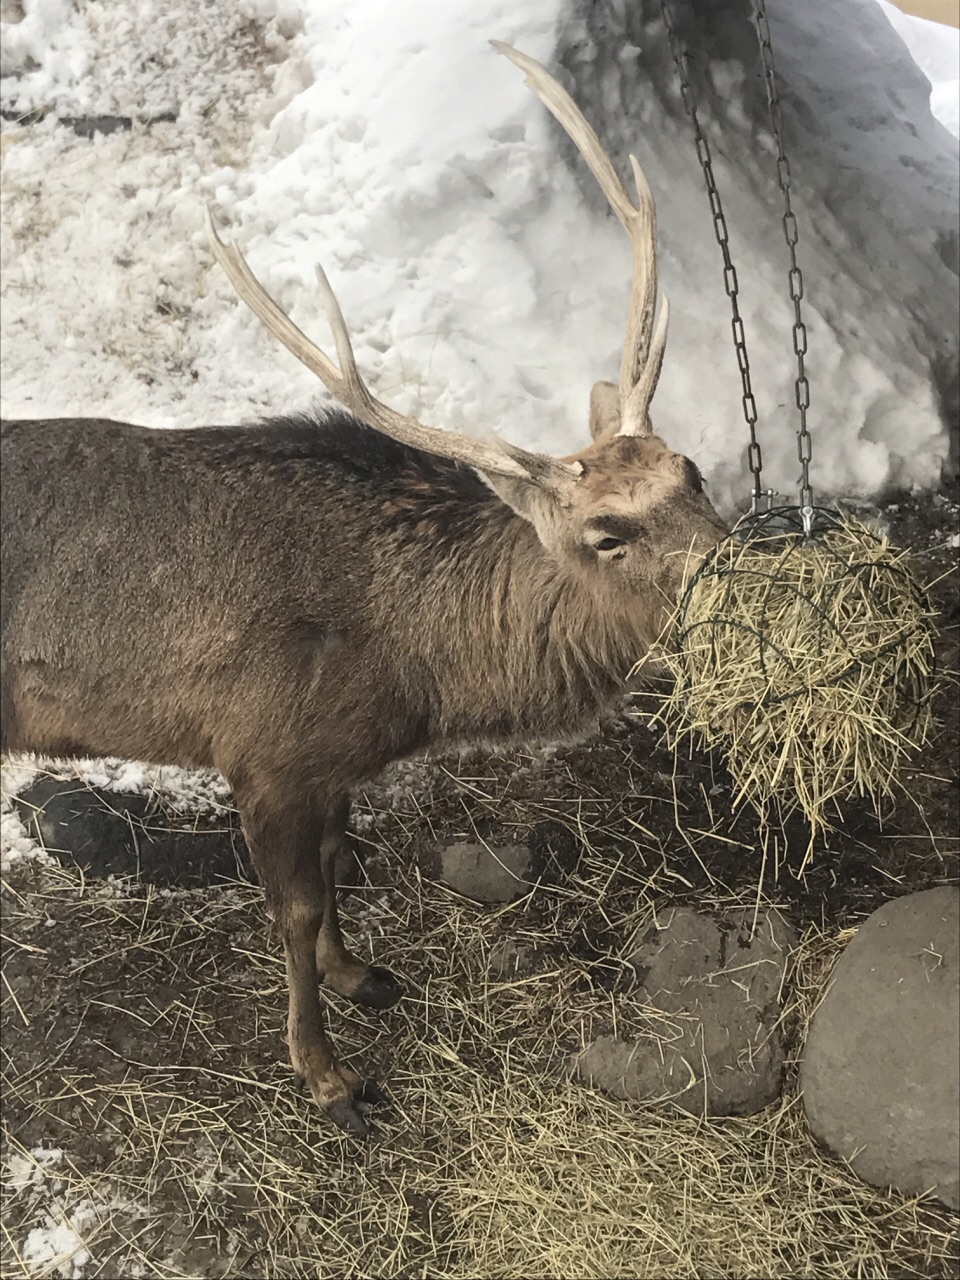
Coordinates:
300 602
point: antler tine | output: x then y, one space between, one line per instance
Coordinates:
634 411
346 384
642 348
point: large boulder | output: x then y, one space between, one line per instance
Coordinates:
881 1069
710 1039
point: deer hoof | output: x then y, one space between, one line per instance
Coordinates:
369 1092
379 989
345 1116
340 1094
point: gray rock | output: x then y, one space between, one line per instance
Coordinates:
492 872
881 1068
710 1039
486 872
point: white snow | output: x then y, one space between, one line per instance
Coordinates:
46 36
15 843
57 1247
29 1169
391 142
62 1242
936 51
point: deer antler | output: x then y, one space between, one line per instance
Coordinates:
644 343
345 383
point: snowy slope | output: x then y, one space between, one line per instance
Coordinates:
936 51
390 142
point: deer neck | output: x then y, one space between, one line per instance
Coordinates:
519 645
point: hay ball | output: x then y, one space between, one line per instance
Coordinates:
806 660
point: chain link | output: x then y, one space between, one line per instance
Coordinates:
730 284
794 277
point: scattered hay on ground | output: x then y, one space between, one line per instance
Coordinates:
143 1052
144 1039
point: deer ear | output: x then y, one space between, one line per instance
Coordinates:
604 410
525 498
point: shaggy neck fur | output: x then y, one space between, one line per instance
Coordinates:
516 644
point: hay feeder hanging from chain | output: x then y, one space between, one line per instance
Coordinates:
803 645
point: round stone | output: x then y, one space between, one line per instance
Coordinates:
881 1069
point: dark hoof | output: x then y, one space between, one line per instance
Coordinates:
369 1092
346 1117
379 989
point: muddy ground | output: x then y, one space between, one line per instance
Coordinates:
143 998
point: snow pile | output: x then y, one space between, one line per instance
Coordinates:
392 143
936 51
15 843
47 37
28 1169
61 1244
57 1247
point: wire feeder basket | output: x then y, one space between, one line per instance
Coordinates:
808 661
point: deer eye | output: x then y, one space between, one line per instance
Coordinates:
609 544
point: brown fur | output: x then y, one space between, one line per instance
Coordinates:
297 604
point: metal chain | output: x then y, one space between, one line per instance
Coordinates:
754 456
794 277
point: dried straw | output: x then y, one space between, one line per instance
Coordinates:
808 662
153 1057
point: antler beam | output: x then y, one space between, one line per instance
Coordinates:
645 341
346 384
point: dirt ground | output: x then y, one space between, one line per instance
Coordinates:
143 1031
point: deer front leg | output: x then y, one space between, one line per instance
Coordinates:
284 846
366 984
